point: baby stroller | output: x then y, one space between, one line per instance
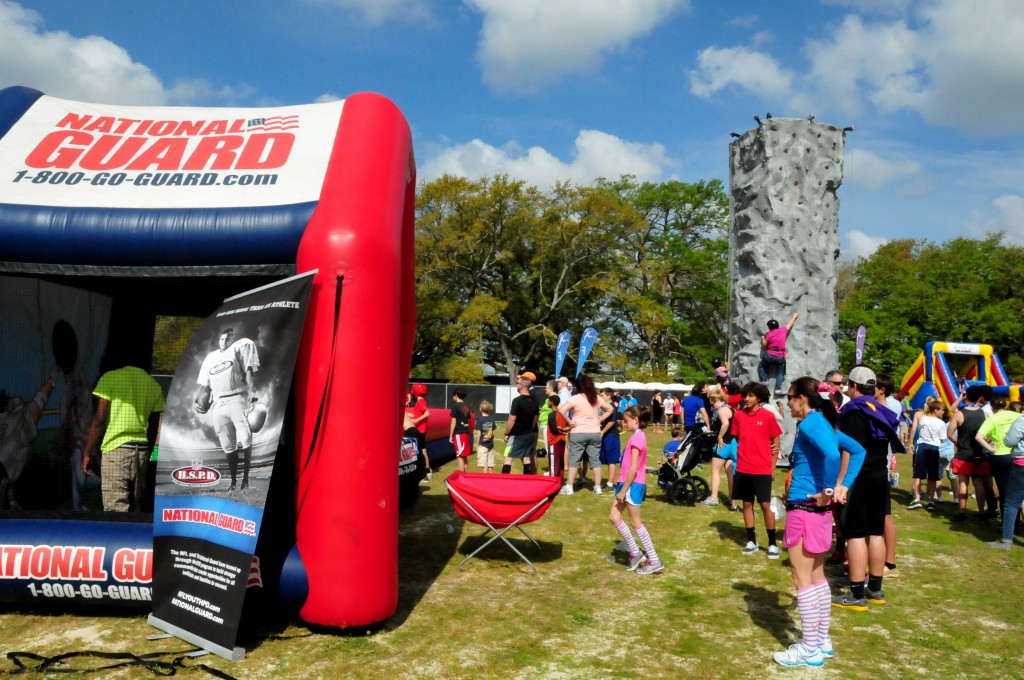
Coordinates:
674 475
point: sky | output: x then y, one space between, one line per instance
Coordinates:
550 90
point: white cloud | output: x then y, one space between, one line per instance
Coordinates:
719 68
957 64
597 154
378 11
874 172
327 97
526 44
90 68
879 62
974 62
744 21
860 244
1008 216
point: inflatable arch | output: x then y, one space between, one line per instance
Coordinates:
147 211
932 376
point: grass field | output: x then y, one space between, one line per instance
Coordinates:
957 610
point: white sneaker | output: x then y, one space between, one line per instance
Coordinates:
798 655
825 647
710 502
773 552
597 491
750 548
567 490
636 560
649 567
610 486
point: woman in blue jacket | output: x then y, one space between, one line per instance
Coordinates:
825 463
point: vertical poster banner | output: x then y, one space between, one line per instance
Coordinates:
218 442
862 334
587 341
561 351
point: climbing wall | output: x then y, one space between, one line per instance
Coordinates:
784 242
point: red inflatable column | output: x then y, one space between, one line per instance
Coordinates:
353 367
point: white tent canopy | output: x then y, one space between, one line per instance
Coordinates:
646 387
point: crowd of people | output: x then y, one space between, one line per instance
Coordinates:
837 496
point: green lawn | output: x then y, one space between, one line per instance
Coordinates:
956 611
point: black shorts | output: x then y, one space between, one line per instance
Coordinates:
865 509
926 462
747 488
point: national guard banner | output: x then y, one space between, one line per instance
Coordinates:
218 442
862 334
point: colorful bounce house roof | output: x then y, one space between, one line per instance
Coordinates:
120 214
944 369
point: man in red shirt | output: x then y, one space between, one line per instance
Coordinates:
420 415
757 432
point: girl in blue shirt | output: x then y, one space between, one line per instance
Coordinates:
820 475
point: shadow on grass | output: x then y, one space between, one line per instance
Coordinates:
423 551
497 551
730 531
769 609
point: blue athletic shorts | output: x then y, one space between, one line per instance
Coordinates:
728 452
611 450
636 494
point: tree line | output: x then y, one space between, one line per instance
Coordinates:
503 268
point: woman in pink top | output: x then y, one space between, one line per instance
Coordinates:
630 493
584 426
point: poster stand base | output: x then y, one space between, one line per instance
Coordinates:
231 654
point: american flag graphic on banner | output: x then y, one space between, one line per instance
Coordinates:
255 576
273 123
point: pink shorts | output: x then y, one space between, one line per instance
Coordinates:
813 528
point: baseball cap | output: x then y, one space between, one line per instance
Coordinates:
862 375
527 375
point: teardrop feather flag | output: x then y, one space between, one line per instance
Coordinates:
587 341
561 350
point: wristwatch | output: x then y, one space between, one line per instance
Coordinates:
828 492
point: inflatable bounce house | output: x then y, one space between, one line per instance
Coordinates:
945 369
112 217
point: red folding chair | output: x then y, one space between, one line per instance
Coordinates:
500 502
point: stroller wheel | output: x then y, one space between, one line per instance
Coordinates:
682 492
702 488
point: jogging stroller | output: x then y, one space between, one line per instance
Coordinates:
674 475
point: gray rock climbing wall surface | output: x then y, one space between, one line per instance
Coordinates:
784 242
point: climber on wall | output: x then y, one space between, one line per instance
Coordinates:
774 344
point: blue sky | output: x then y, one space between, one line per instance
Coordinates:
551 90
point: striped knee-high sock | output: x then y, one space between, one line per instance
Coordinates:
627 536
825 607
647 543
808 602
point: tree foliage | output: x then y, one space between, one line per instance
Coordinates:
504 268
911 292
